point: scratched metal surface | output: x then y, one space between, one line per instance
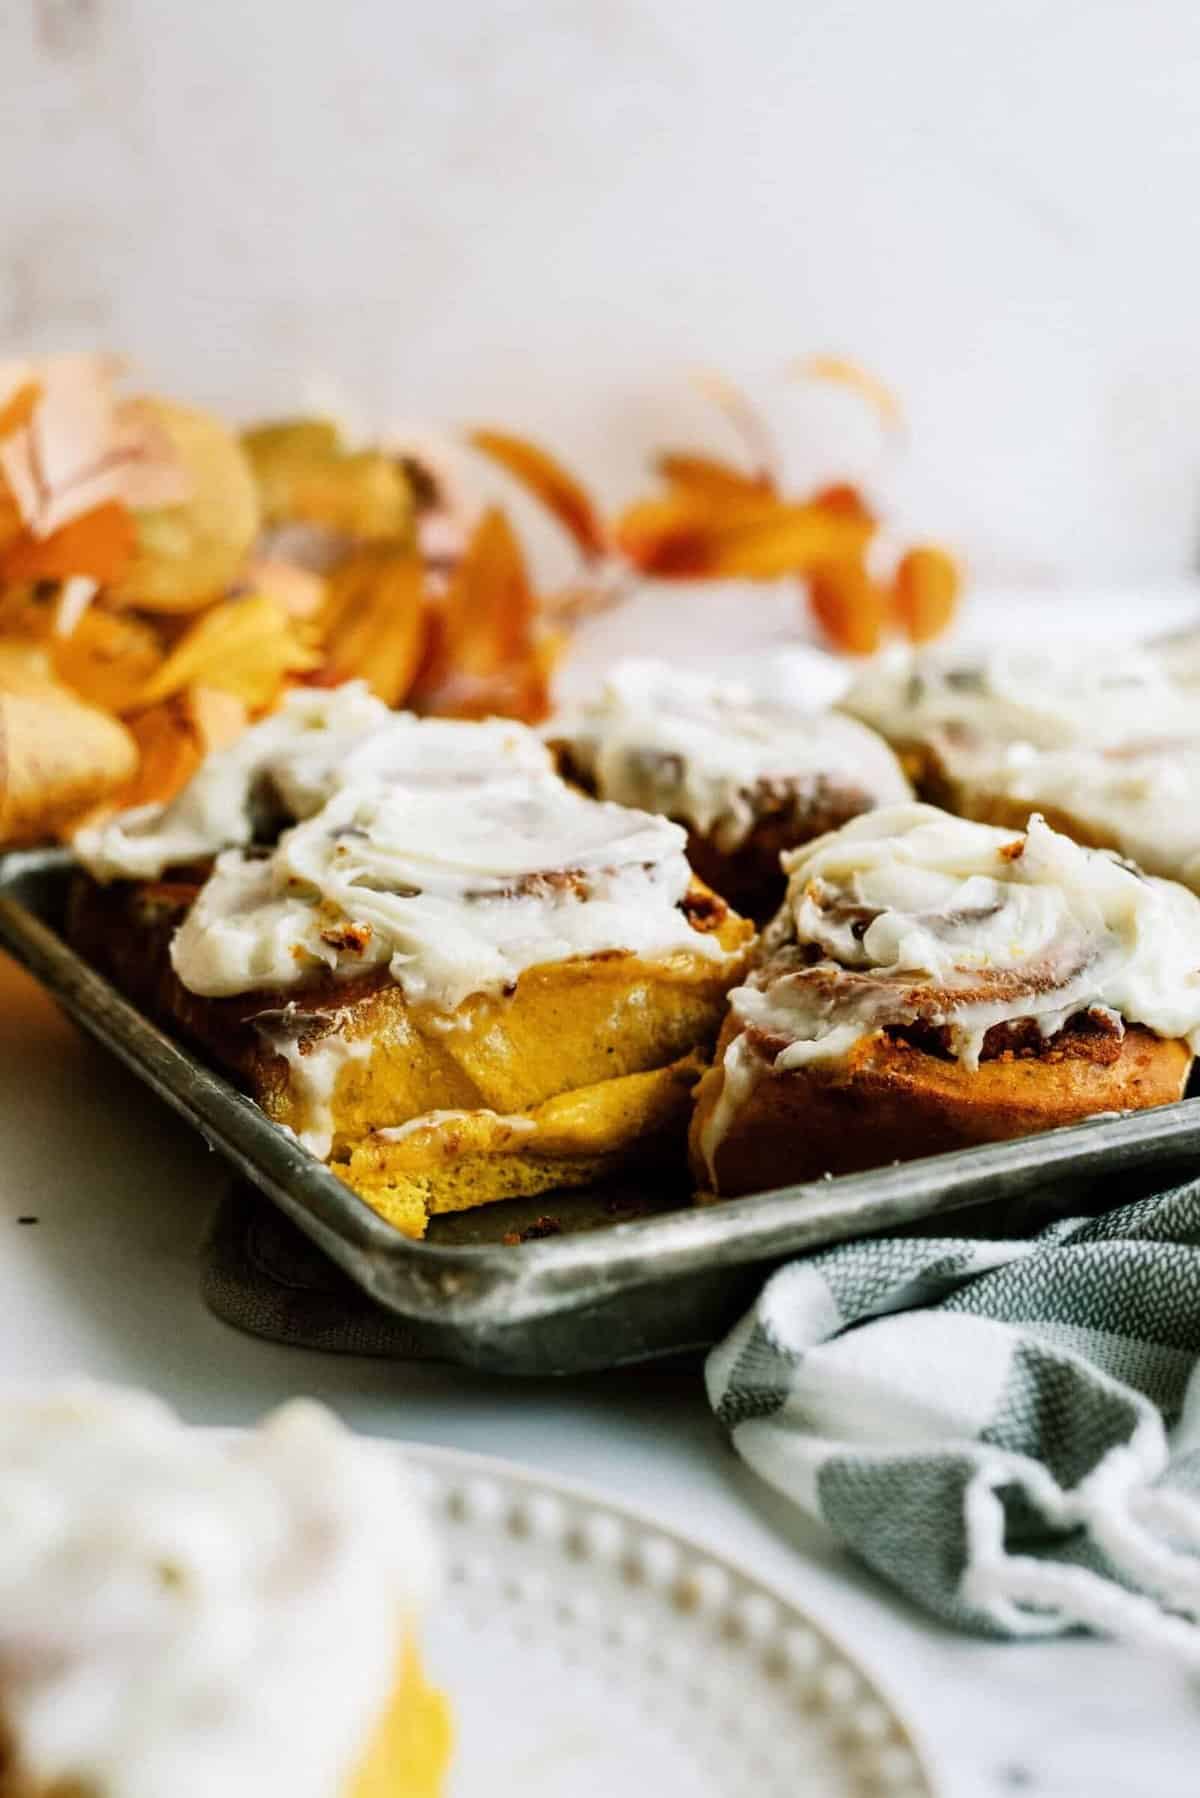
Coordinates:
632 1274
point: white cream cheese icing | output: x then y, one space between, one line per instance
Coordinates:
1143 797
434 1121
909 916
288 766
188 1614
455 900
1048 696
717 753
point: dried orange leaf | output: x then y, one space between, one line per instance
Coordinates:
850 607
107 659
243 646
19 407
169 749
490 606
373 622
487 655
706 477
759 540
546 478
843 372
745 418
925 590
99 544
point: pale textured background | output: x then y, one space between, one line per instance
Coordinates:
544 212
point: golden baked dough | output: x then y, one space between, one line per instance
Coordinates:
588 1064
411 1751
888 1101
930 983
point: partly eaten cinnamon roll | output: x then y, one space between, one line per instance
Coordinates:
931 983
748 777
188 1614
455 977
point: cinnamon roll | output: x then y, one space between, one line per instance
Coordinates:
1107 749
453 990
930 983
191 1614
747 776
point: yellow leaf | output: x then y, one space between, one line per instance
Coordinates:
243 646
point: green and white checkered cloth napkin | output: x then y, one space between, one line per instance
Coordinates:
1007 1430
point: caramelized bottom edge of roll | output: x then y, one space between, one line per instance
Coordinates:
890 1100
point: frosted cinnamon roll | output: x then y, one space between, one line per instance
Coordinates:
1104 745
1053 696
931 983
285 768
452 995
193 1614
747 776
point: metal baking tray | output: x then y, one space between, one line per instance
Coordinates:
600 1292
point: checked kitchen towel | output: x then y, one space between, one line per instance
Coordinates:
1007 1430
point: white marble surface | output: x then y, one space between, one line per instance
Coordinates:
106 1282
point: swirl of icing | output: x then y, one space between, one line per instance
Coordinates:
909 916
455 899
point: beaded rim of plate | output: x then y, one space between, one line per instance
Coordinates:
467 1492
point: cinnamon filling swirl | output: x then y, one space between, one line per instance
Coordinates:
911 918
962 942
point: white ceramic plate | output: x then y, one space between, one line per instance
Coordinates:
589 1655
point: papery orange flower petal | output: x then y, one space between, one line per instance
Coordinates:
843 372
546 478
99 544
925 590
372 625
849 605
243 646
